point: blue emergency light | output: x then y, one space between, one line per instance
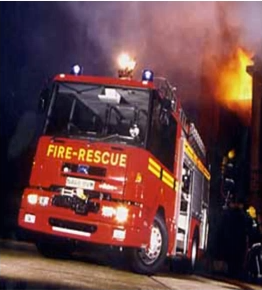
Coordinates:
147 75
77 70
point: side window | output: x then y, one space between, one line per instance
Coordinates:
62 108
162 136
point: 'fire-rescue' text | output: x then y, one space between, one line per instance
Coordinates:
87 155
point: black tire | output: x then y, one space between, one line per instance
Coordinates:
194 254
55 249
149 261
185 265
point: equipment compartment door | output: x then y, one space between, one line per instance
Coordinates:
185 208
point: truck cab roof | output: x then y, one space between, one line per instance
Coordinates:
104 80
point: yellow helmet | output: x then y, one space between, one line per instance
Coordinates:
231 154
252 212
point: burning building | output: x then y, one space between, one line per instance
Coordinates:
226 100
256 136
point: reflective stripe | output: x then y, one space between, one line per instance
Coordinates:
192 155
168 179
69 231
154 164
168 176
207 174
177 186
154 167
154 171
165 177
168 182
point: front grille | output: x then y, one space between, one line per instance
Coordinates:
75 203
72 225
91 194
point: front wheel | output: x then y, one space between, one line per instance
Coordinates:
150 259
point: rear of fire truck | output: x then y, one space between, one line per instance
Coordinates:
96 177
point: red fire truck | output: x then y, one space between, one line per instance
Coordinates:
119 164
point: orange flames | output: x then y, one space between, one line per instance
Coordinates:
234 90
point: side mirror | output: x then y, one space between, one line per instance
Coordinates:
44 100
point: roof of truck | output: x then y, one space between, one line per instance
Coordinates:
104 80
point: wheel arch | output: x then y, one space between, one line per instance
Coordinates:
161 212
196 234
140 263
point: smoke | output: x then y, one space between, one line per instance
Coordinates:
175 39
183 41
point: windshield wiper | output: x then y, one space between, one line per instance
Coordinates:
78 135
115 136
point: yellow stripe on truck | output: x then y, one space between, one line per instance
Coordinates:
154 167
168 179
154 164
154 171
192 155
176 186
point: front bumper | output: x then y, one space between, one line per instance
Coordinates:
92 227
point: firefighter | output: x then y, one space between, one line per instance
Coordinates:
254 254
235 239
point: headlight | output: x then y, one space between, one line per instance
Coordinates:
121 214
43 200
108 211
32 198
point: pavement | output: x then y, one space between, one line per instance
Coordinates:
217 270
201 273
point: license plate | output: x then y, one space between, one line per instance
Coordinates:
80 183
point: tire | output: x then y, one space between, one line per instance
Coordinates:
148 261
55 249
194 254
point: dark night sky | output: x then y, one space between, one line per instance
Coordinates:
41 39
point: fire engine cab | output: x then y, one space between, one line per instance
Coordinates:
118 163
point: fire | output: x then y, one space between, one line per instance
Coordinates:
126 66
235 84
126 62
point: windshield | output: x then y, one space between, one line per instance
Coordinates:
101 112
